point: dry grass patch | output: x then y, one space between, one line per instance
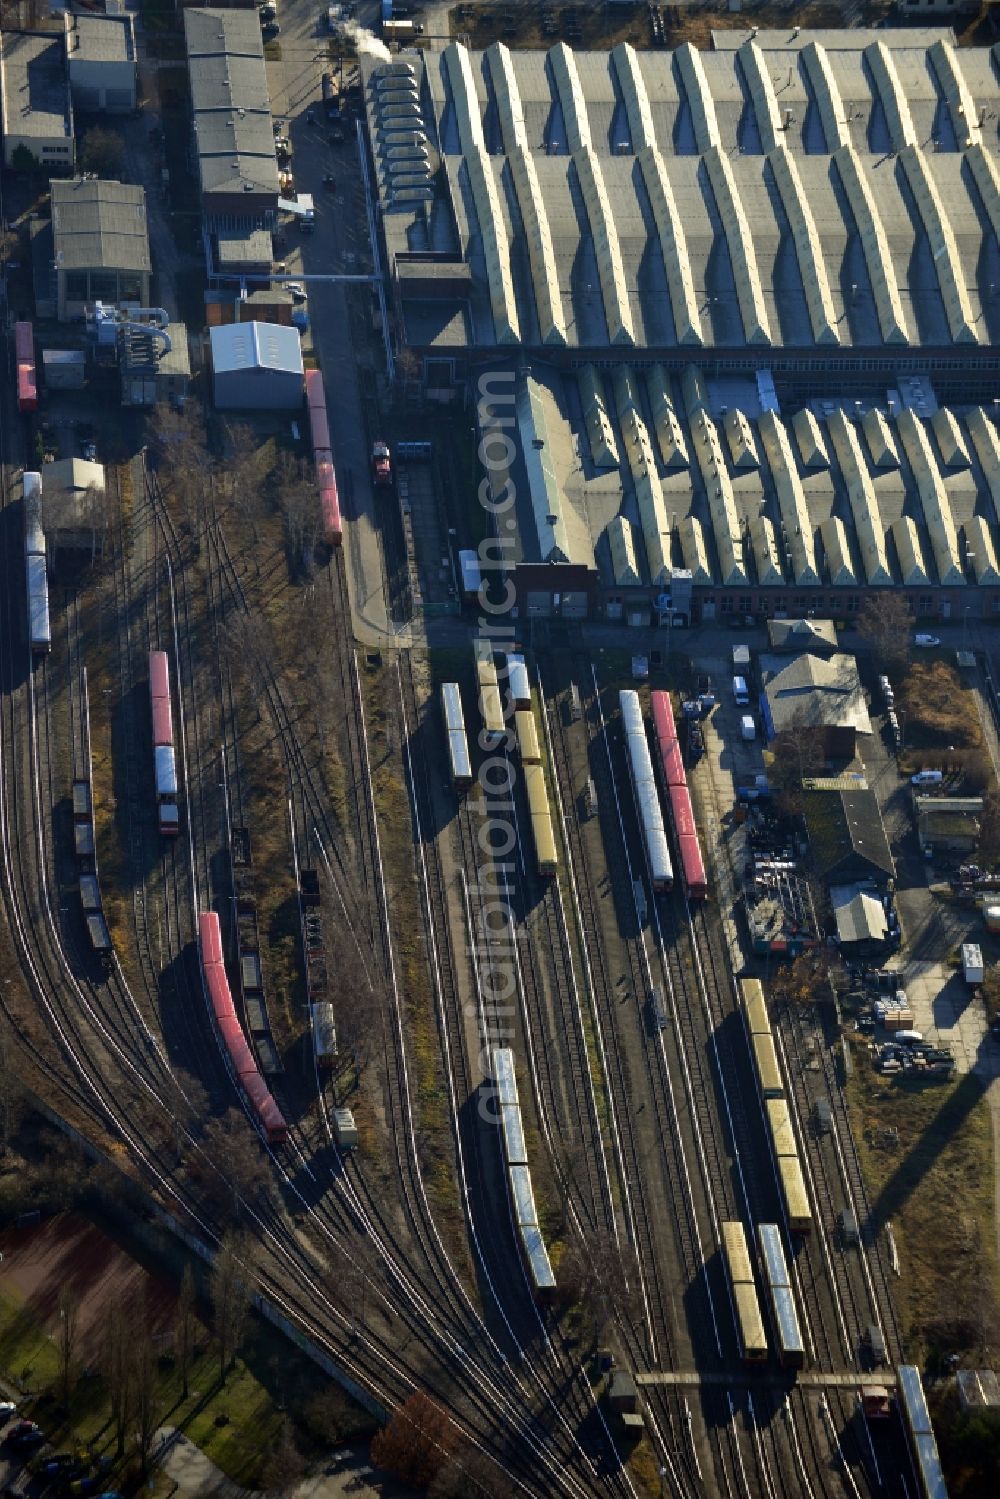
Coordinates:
934 1181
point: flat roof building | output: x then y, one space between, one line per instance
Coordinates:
102 62
154 371
231 117
36 100
100 239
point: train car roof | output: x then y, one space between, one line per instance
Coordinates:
773 1254
780 1124
538 1258
513 1135
524 1197
458 750
789 1331
750 1319
734 1243
504 1074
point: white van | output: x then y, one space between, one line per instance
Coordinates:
748 729
927 778
741 692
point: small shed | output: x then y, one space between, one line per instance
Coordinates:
73 509
790 636
64 369
257 366
979 1390
860 917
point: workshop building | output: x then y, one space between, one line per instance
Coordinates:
744 298
257 366
100 243
36 100
103 72
231 118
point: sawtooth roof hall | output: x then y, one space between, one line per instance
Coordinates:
797 203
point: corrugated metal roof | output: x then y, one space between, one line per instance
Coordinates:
624 563
256 345
859 914
864 505
881 273
100 225
600 433
933 497
891 95
943 248
648 490
548 298
791 498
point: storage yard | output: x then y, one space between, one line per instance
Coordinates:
407 862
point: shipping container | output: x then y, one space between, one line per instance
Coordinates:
345 1130
779 1123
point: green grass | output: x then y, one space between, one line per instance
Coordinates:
28 1355
235 1424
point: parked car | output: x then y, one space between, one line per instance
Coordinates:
296 290
7 1410
927 642
270 30
25 1434
927 778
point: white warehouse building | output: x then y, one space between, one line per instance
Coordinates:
257 367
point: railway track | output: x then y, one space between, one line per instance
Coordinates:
447 1301
552 1376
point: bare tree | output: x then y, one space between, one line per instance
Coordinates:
285 1467
66 1342
240 474
298 505
145 1400
470 1474
795 753
117 1372
886 624
240 1173
231 1295
183 458
12 1099
185 1328
600 1278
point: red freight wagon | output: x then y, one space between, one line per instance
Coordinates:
663 718
27 378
